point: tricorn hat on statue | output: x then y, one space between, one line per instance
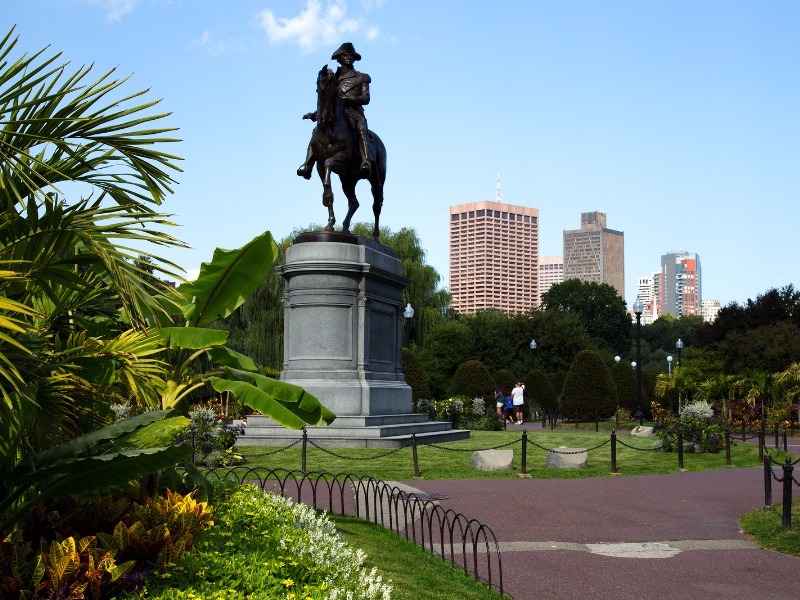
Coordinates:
346 48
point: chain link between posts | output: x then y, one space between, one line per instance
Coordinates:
260 454
657 449
385 454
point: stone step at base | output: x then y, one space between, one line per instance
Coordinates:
387 435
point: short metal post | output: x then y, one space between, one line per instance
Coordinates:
727 448
414 454
767 484
596 423
761 444
786 520
544 418
305 443
524 466
680 449
744 432
613 450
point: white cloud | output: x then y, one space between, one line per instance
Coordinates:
315 26
115 9
211 43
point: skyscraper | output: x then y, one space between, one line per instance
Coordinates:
681 292
551 272
494 257
595 253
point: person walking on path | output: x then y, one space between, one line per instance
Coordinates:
518 399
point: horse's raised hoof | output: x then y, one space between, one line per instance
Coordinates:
304 171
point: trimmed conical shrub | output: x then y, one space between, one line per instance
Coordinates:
505 380
472 379
589 390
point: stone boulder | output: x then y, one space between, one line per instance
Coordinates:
642 431
567 458
493 460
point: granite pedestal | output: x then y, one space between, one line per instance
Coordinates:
343 331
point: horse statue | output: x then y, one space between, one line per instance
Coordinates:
335 150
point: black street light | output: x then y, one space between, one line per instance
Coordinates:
669 366
533 348
408 313
637 309
679 346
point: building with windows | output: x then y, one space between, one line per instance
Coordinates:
646 292
595 253
710 309
551 272
681 289
494 257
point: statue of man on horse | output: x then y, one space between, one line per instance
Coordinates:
353 96
341 142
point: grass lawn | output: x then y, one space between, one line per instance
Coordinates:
414 573
453 459
765 527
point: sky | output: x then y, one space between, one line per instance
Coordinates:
678 120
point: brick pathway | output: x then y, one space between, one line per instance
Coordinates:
628 538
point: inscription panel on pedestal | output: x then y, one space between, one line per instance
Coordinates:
322 332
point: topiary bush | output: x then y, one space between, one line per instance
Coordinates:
472 379
415 378
505 380
540 395
589 390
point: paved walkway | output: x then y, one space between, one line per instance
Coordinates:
628 538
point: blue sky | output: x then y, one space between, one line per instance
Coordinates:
679 120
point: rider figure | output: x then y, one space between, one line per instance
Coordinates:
353 95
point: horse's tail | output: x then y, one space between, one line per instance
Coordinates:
380 157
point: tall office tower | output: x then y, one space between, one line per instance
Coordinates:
646 293
681 293
494 257
595 253
551 272
710 310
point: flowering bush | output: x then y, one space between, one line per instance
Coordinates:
696 424
281 549
211 439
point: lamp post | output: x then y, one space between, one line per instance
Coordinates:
679 346
408 313
669 366
533 348
637 309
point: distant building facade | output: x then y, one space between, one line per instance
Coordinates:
680 293
710 309
595 253
646 292
494 257
551 272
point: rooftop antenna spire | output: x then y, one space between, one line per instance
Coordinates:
498 191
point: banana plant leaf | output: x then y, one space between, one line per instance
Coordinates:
85 475
160 433
228 280
82 444
230 358
192 338
288 404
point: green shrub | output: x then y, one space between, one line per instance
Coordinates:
696 424
539 391
589 390
505 380
282 550
472 379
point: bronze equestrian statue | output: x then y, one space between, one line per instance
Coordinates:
341 142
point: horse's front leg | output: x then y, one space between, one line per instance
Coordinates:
349 189
327 194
